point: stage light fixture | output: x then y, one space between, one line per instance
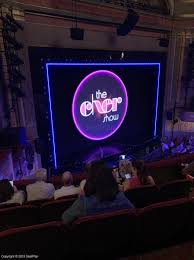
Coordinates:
17 74
10 28
13 21
77 34
122 55
16 90
129 23
16 45
14 59
163 42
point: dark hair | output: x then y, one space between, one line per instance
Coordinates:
142 172
6 190
106 185
92 170
101 182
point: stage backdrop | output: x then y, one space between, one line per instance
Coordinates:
95 104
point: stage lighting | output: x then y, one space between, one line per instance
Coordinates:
163 42
129 23
77 34
16 90
14 59
122 55
17 75
16 45
13 21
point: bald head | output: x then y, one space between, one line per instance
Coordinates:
41 174
67 179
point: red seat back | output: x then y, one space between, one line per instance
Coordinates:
105 234
18 216
164 223
8 205
143 196
175 190
73 196
43 240
52 211
37 203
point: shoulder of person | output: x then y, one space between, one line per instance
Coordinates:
50 184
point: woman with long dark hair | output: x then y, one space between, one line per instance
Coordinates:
140 176
101 195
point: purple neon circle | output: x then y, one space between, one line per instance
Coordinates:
79 88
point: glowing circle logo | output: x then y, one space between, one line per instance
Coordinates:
99 105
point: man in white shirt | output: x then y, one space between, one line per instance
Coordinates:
40 189
68 187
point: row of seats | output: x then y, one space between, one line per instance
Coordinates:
18 216
162 171
140 196
51 210
121 233
147 195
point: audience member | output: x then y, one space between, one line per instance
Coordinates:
40 189
86 171
139 176
10 194
179 146
68 187
102 195
188 171
125 167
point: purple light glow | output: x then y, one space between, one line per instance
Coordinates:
80 89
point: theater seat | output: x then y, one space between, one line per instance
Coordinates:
175 190
8 205
109 234
143 196
74 196
37 203
18 216
164 174
43 240
164 224
53 210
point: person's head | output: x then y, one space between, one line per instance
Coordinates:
106 186
67 178
140 170
87 168
93 169
188 169
41 174
164 139
125 166
97 182
6 191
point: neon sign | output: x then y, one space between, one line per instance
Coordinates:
99 105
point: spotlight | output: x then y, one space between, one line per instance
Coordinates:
129 23
14 59
77 34
17 91
122 55
7 25
163 42
4 20
10 28
17 75
13 21
16 45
